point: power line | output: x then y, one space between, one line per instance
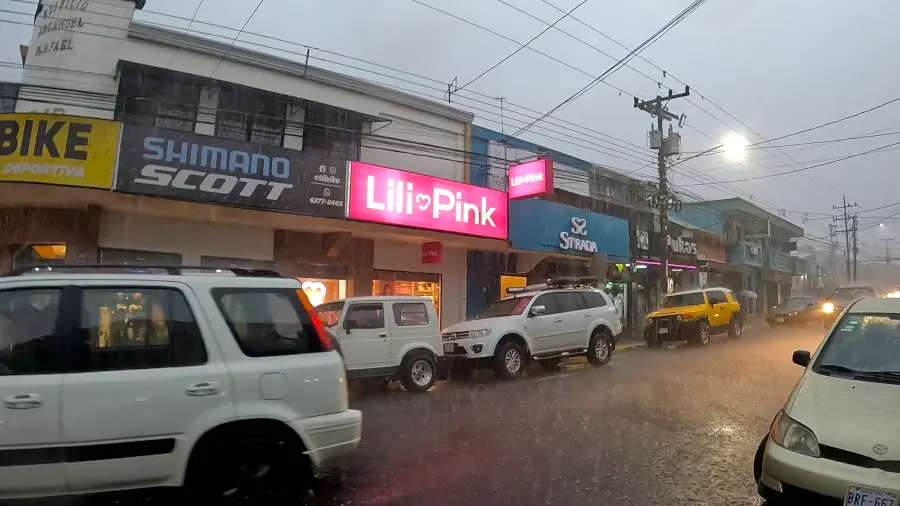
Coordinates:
222 58
542 32
616 66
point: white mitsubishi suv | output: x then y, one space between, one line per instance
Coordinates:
116 378
563 318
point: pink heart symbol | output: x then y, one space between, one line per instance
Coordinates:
423 201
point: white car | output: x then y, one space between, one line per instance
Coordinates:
836 439
116 378
544 323
394 337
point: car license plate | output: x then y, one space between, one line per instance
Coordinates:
780 320
663 331
449 347
861 496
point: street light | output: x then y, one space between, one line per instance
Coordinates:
735 147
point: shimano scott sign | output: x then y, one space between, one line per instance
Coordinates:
199 168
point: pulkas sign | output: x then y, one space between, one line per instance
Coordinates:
575 238
396 197
206 169
681 245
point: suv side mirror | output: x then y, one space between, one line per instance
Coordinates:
713 301
350 325
801 358
537 310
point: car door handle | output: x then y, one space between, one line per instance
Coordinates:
203 389
587 316
557 321
382 335
22 401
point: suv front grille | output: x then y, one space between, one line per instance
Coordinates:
453 336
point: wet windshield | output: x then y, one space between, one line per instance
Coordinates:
863 344
506 307
684 299
793 304
845 294
330 313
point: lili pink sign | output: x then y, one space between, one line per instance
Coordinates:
396 197
531 179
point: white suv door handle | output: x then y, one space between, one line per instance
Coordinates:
557 321
587 316
382 335
22 401
203 389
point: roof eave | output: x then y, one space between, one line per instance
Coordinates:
155 34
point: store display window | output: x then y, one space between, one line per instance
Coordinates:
320 290
409 283
39 254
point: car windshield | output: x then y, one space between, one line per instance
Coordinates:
684 299
866 346
506 307
847 293
330 313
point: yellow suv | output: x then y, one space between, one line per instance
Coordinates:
694 315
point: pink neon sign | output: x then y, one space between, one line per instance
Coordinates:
396 197
531 179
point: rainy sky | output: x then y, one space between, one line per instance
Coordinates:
758 69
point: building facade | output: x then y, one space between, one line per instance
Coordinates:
170 148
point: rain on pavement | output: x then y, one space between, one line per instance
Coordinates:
669 426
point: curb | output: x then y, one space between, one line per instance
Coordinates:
629 347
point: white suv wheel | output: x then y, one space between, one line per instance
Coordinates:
513 361
601 349
422 372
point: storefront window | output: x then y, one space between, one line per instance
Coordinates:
320 291
40 254
409 283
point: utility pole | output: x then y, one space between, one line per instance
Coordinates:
846 218
887 257
656 108
855 247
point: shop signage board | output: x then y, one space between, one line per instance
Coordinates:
432 253
55 149
541 225
199 168
682 245
396 197
531 179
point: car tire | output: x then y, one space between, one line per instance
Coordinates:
736 327
758 460
599 350
702 337
509 362
418 373
247 466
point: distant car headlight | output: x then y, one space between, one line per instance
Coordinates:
828 307
794 436
477 334
793 314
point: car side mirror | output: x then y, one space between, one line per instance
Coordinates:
350 325
538 310
801 358
713 301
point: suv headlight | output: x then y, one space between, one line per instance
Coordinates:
794 436
477 334
828 307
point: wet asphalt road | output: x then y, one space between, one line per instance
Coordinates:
670 426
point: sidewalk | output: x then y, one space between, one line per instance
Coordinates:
630 342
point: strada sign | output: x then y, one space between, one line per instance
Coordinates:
163 163
576 238
395 197
63 150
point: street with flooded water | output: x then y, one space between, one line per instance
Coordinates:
671 426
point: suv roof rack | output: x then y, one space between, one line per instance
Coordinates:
143 269
572 281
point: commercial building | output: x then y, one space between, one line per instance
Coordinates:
143 145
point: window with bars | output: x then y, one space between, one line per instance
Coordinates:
248 115
333 132
155 98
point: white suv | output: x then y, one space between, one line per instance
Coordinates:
118 378
393 337
544 323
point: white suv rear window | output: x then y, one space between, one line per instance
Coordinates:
267 322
